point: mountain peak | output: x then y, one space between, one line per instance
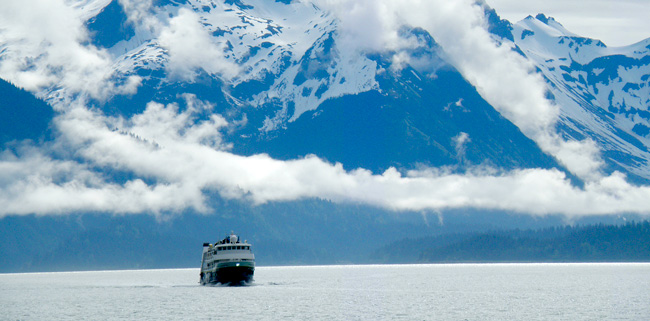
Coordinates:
594 84
543 18
541 24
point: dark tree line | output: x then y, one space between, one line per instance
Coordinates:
592 243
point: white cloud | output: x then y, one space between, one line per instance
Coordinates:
47 46
581 157
34 183
138 11
460 141
459 27
190 47
504 78
182 159
366 24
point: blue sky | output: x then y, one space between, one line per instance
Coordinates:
617 23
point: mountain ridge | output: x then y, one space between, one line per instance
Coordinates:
597 100
278 81
287 86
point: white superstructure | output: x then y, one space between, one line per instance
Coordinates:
228 261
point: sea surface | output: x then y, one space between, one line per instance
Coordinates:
348 292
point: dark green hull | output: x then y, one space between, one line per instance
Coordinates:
232 273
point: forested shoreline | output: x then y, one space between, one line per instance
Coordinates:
629 242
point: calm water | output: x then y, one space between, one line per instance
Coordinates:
377 292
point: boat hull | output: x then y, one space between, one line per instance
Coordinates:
233 273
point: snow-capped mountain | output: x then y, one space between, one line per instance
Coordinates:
294 87
281 50
179 107
603 93
289 83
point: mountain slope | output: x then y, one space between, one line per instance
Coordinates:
300 90
22 116
603 93
287 84
282 73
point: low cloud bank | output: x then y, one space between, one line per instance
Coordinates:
177 160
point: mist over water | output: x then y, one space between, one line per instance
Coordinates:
355 292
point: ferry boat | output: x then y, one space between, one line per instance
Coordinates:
228 261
